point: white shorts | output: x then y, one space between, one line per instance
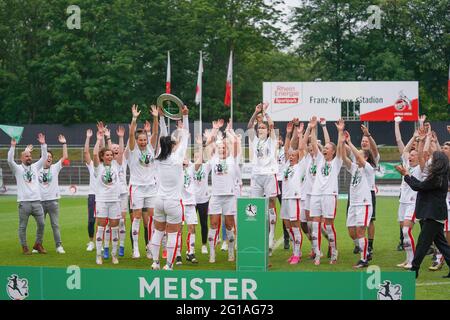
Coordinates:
303 211
359 216
225 205
323 206
168 210
110 210
142 197
307 200
124 202
264 186
407 211
291 209
190 214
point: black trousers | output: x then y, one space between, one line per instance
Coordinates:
203 214
285 232
431 231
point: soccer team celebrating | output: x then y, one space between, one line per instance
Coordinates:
166 189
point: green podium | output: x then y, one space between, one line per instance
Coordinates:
252 234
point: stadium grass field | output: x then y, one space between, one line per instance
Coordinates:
73 224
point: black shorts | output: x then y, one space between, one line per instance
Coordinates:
91 207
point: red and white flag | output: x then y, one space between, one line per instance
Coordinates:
448 85
198 88
229 86
168 73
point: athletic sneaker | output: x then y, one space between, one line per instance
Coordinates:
361 264
356 250
149 253
295 260
114 259
106 253
430 251
369 256
224 246
286 244
191 258
136 254
402 265
178 260
121 251
155 265
408 266
437 265
230 256
212 259
316 262
334 257
204 249
60 250
164 254
99 260
90 246
168 268
312 254
290 258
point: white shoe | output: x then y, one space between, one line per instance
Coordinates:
114 260
231 256
34 251
334 257
212 259
90 246
166 267
408 266
402 265
60 250
204 249
155 265
149 253
224 246
136 254
99 260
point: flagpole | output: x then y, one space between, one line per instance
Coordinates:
201 96
231 91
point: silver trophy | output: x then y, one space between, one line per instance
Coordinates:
170 98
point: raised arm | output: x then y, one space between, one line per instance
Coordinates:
87 155
107 134
97 148
313 126
304 139
43 159
65 154
12 164
398 135
154 136
251 122
270 122
287 139
136 113
120 133
326 135
294 135
340 149
373 144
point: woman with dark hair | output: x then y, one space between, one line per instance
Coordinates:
431 208
169 205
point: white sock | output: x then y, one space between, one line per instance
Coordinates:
107 236
164 241
291 235
357 243
316 234
115 239
156 244
309 224
99 239
408 244
180 243
191 243
122 232
172 244
212 237
363 247
230 238
135 231
272 222
331 237
297 241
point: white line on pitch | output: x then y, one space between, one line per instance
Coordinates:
432 284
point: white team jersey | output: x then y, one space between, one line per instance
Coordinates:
448 202
142 166
92 180
170 172
360 184
188 194
408 195
291 178
107 182
281 163
123 176
309 174
264 160
223 174
377 164
201 183
48 182
26 176
326 182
